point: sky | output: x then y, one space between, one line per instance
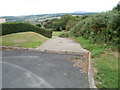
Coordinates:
33 7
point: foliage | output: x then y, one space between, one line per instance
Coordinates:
53 24
71 22
38 25
24 39
99 28
15 27
65 34
64 23
117 7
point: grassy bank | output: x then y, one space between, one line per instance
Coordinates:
105 60
107 66
24 39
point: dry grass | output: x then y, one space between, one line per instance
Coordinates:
24 39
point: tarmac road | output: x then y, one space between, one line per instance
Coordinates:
35 69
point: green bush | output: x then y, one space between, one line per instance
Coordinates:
117 7
99 28
71 22
15 27
38 25
64 23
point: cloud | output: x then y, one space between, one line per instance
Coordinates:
26 7
119 2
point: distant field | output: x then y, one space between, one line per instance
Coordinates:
24 39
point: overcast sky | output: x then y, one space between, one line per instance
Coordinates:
29 7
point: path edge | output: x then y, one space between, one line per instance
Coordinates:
48 51
90 74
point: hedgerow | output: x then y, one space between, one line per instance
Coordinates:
99 28
15 27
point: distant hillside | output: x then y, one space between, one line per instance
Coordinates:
38 18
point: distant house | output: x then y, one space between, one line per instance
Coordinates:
2 20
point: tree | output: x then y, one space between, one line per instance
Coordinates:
38 25
63 21
117 7
73 20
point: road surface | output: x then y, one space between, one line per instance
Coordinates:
35 69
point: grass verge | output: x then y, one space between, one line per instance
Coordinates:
24 39
105 61
56 33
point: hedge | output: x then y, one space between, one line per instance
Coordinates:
15 27
99 28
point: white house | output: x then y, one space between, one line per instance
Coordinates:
2 20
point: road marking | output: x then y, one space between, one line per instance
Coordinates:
36 81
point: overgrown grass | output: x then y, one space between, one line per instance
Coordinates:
107 66
24 39
95 49
56 33
105 61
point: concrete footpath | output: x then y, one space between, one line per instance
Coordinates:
64 45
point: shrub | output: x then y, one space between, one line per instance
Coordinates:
38 25
15 27
71 22
117 7
99 28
